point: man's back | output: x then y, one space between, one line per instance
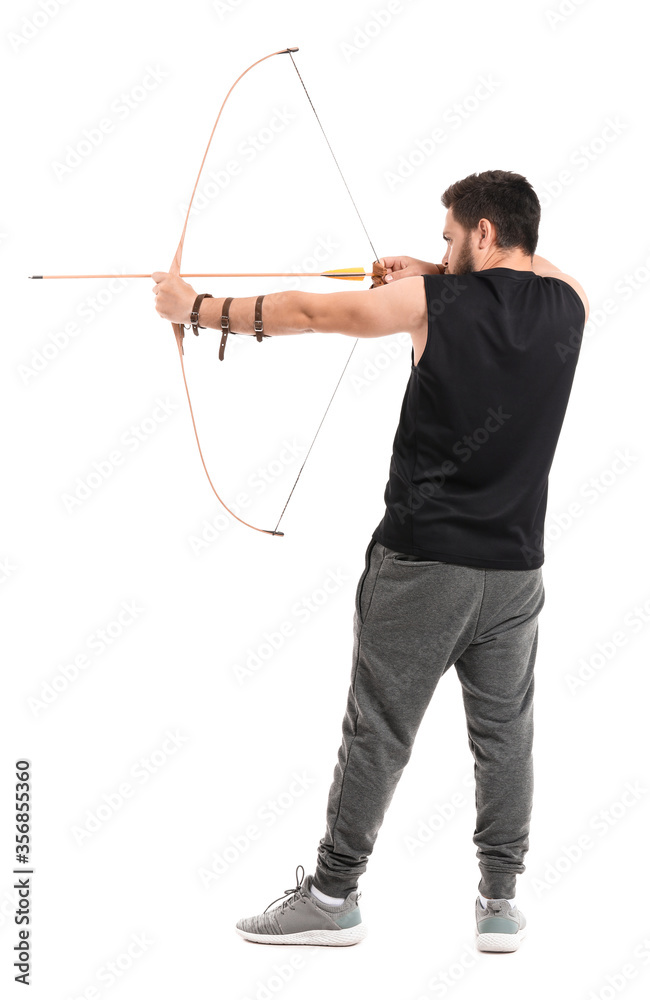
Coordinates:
481 418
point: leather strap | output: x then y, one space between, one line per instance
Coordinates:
258 325
225 326
194 315
378 274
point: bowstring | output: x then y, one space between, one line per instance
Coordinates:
376 257
333 156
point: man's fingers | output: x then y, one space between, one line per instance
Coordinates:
397 267
402 272
158 276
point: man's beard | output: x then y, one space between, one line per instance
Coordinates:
464 263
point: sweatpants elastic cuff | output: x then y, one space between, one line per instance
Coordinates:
505 889
332 887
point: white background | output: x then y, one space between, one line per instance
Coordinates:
383 79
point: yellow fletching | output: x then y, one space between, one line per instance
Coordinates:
346 274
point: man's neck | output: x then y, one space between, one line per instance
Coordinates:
514 261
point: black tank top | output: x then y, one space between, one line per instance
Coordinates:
481 418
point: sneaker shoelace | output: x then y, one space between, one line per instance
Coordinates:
291 894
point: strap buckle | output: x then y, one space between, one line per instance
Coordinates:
194 315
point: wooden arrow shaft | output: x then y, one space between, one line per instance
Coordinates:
352 274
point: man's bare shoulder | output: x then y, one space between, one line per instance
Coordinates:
545 269
575 284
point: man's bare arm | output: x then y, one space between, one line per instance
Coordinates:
376 312
545 269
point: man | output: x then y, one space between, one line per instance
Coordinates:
453 571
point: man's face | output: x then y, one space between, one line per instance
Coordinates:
459 255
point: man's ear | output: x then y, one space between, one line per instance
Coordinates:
483 231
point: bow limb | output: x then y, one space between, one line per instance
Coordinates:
178 333
176 263
175 268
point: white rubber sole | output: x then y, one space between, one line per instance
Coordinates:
346 936
500 942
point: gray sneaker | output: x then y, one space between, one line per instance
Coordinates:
499 927
303 919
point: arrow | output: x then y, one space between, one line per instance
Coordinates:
344 273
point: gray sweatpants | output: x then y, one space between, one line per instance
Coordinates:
413 619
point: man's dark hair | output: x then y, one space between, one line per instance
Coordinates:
506 199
